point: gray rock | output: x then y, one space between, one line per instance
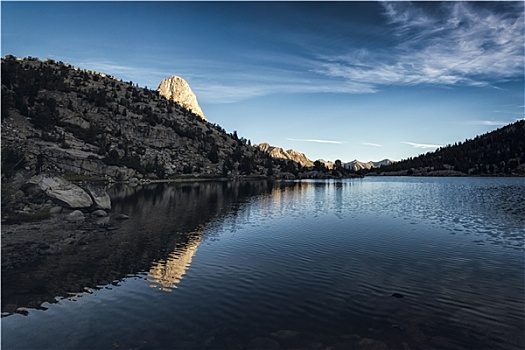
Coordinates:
61 191
74 120
76 215
100 198
99 213
47 181
55 210
121 217
70 196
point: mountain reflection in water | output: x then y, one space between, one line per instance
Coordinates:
164 220
385 263
165 274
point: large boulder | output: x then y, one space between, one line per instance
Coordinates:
46 181
99 196
61 191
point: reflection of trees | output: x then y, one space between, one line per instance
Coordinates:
166 274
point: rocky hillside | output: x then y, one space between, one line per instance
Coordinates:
500 152
82 124
61 119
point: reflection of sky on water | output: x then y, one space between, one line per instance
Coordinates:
316 257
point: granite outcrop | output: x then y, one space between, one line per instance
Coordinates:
178 90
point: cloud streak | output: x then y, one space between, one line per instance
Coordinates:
461 44
317 141
490 122
422 145
371 144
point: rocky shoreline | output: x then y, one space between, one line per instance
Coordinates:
48 214
63 232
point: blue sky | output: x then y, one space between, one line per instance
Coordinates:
335 80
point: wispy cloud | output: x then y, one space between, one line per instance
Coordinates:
317 141
371 144
492 123
144 76
449 43
462 43
422 145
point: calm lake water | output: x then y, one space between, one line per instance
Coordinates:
290 265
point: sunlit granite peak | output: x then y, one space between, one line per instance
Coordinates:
178 90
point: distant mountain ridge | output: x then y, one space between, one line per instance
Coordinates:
357 165
304 161
278 152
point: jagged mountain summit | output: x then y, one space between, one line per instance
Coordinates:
278 152
357 165
178 90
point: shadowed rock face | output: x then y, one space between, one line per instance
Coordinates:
178 90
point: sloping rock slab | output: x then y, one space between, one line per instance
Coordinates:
61 191
46 181
70 196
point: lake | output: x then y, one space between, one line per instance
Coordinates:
373 263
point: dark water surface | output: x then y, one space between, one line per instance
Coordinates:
300 265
